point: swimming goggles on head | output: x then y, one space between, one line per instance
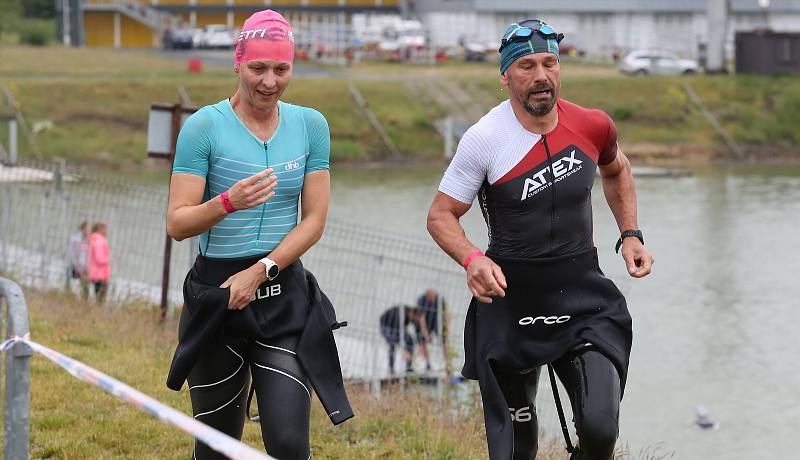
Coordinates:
525 31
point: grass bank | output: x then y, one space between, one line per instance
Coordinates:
91 105
76 421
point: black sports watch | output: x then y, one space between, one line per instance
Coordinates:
626 234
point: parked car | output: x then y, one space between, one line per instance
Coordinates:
644 62
215 36
179 39
476 52
402 34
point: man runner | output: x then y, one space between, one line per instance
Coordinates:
539 295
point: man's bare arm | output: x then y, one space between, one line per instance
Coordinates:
620 192
484 278
445 228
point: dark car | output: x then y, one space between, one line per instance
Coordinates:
178 39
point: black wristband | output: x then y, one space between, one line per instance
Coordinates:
626 234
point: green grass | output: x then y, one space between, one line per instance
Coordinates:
75 420
15 29
99 111
403 117
98 99
70 419
755 110
645 110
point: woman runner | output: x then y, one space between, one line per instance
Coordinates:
243 169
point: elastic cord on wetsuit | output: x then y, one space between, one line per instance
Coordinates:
560 409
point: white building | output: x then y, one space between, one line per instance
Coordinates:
599 27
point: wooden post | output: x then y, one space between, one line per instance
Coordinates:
448 137
162 144
12 141
177 111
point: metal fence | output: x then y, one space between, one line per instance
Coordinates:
19 348
17 372
363 270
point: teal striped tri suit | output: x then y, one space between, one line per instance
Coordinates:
216 145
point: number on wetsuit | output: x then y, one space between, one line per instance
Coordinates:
520 415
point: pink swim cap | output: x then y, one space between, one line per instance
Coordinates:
265 36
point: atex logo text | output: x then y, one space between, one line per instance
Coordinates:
530 320
561 168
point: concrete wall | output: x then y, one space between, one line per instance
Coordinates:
787 22
600 34
446 28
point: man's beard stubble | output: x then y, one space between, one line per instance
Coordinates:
539 109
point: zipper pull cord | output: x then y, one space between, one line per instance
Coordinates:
264 206
553 192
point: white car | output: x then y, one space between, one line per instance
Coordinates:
645 62
402 34
215 36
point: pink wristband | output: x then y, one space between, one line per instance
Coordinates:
226 202
472 256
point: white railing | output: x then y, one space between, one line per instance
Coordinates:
144 13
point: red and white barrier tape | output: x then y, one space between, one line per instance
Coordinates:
217 440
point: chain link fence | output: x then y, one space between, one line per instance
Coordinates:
363 270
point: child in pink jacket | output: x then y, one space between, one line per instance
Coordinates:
99 261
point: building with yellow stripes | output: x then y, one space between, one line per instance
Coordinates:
141 24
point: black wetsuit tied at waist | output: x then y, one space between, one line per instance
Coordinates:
552 305
290 304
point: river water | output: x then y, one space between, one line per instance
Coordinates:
715 322
713 325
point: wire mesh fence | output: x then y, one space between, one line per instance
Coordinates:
364 271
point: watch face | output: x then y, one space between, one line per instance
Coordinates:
273 272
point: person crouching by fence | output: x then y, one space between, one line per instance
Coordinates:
77 255
99 261
437 320
394 333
